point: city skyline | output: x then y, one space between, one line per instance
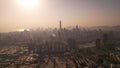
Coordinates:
48 13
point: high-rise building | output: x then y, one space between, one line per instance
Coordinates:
60 23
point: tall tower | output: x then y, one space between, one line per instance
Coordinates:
60 23
59 36
60 29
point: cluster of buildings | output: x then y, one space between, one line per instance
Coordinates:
58 40
63 42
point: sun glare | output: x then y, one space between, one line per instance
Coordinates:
28 3
21 30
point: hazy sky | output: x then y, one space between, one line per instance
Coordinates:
47 13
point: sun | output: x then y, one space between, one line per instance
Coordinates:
28 3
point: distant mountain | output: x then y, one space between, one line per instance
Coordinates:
113 28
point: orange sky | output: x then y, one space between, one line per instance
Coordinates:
47 13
